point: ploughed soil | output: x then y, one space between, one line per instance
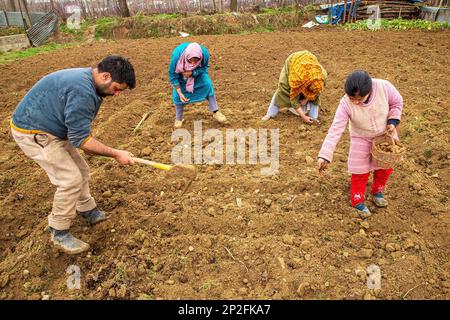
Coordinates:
235 233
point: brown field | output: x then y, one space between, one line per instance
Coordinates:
294 235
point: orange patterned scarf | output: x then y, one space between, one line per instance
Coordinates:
305 75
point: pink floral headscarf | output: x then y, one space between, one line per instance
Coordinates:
193 50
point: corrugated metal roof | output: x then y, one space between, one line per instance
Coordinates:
40 31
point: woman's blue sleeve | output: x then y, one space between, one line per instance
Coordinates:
173 76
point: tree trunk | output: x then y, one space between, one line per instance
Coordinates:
214 6
6 17
233 5
11 6
53 8
345 11
123 6
84 13
24 10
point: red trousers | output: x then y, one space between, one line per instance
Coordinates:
359 181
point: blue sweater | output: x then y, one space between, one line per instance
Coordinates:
63 103
203 86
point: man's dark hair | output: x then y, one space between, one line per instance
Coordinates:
120 69
358 83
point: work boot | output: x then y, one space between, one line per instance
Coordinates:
65 241
378 199
220 117
363 211
178 123
266 118
94 216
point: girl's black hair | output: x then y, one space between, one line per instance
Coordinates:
359 83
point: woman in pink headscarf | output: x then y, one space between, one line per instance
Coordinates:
188 74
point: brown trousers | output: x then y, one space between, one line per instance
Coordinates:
67 170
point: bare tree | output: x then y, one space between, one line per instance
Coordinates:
11 5
22 5
100 8
233 5
123 6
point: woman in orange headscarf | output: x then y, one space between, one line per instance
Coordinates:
301 81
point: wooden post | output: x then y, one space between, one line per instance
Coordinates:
233 5
21 14
6 18
124 11
437 12
345 11
25 12
11 5
330 15
350 12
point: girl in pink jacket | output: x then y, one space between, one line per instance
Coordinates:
373 106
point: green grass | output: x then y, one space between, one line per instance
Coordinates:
417 124
104 24
207 285
309 7
77 34
145 296
398 24
97 259
9 31
259 30
6 57
151 274
277 10
164 16
428 153
121 274
21 182
65 29
30 287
